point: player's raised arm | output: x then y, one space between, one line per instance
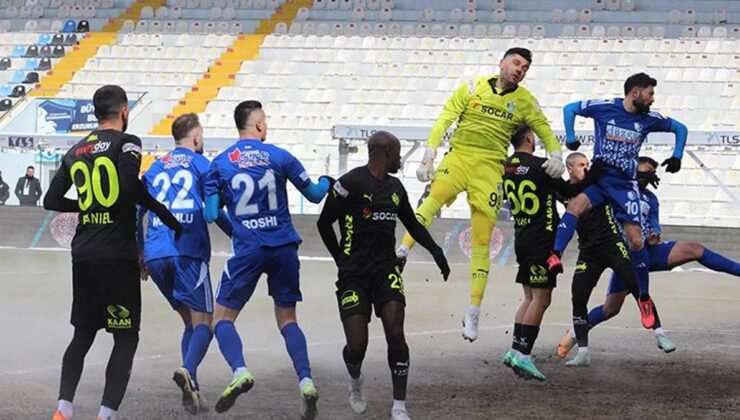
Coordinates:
334 207
453 108
554 166
54 199
422 236
298 176
673 163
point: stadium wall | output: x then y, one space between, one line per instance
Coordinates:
24 227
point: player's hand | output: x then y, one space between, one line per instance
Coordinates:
328 179
554 167
672 164
425 172
439 258
178 230
573 145
143 272
651 178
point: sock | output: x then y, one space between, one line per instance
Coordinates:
527 339
199 342
424 214
66 408
515 336
717 262
596 316
106 413
230 344
185 342
398 361
641 262
353 362
238 371
303 382
295 343
658 331
480 264
565 232
399 405
580 326
582 350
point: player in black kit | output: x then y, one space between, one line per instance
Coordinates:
366 202
601 246
104 168
532 195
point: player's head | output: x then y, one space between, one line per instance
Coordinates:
187 132
251 120
514 65
639 89
111 106
30 171
384 147
577 164
523 139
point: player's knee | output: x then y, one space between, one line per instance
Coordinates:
611 310
395 339
695 250
578 205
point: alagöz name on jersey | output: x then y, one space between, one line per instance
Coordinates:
497 112
260 222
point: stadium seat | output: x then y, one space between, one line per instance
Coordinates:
674 17
612 5
499 15
628 5
689 17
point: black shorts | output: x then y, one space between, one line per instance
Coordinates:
106 294
533 272
592 263
358 292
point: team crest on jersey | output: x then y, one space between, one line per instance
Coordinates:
395 198
172 161
249 158
638 126
631 195
511 106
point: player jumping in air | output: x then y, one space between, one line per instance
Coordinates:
488 110
663 256
106 291
621 125
366 202
532 194
250 178
179 268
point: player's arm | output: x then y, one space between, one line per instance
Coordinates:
129 163
673 163
453 108
140 214
566 189
298 176
54 199
336 204
535 118
224 223
422 236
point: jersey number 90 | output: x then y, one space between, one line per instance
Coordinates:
90 185
522 199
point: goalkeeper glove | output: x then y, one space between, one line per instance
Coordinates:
426 168
554 167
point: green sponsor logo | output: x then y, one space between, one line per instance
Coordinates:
349 299
119 317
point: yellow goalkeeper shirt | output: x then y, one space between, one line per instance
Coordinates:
486 119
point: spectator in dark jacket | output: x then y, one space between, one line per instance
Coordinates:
4 190
28 189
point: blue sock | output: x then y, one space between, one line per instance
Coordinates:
229 343
596 316
185 342
716 262
199 342
295 342
565 232
641 262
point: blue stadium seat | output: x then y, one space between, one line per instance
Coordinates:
31 64
18 77
5 90
44 39
18 51
70 26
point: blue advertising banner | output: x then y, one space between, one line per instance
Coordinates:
58 116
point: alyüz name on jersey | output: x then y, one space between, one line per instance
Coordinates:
622 134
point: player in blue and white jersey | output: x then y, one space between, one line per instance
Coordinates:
180 267
250 178
621 126
663 255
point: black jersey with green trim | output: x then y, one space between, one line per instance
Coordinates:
598 228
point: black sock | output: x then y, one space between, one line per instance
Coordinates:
398 361
527 339
353 362
580 326
515 336
118 371
657 318
73 361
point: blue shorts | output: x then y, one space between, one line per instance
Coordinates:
658 262
183 281
621 193
242 272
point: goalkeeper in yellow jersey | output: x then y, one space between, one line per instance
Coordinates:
487 110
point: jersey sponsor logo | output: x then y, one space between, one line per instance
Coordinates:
537 274
623 250
581 266
517 170
349 299
249 158
369 197
480 274
260 223
615 133
396 200
349 230
131 147
338 189
384 215
495 112
171 160
119 317
93 148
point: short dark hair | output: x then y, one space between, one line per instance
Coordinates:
517 139
242 111
183 125
30 167
525 53
641 80
108 102
645 159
